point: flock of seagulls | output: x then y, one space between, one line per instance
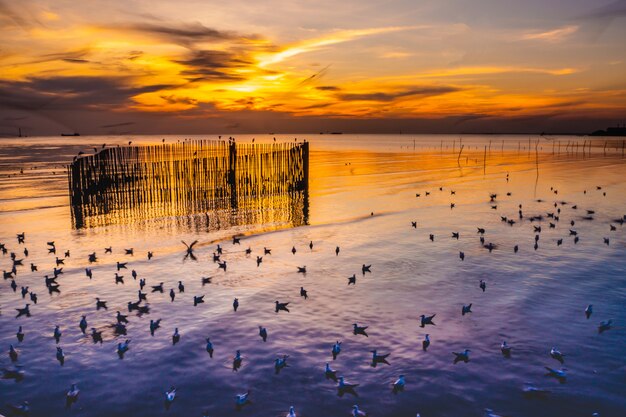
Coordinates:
141 306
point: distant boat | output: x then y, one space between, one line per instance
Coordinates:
336 133
70 134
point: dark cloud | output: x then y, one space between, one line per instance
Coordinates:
172 99
75 61
328 88
212 65
185 34
70 93
118 124
426 91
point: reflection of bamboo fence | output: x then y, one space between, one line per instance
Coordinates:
186 178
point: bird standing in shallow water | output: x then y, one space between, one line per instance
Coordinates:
72 395
356 329
336 350
424 320
398 385
505 349
462 356
263 333
589 311
426 343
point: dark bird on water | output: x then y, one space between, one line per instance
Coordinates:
282 306
356 329
424 320
303 293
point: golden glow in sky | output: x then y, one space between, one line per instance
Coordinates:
354 60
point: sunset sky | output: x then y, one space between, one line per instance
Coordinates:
198 66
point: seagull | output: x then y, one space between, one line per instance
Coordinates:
198 299
280 363
154 325
336 350
356 412
189 251
292 412
555 354
398 385
237 361
505 349
23 311
556 373
376 358
483 285
427 320
57 334
531 391
96 336
119 279
462 356
352 279
72 395
263 333
236 304
356 329
158 288
365 268
466 309
129 251
170 396
221 265
209 347
455 235
330 373
267 251
242 399
122 348
20 410
281 306
172 294
13 353
236 240
303 293
259 259
175 336
60 356
302 269
605 325
20 334
150 255
108 250
462 255
101 304
426 343
337 251
589 310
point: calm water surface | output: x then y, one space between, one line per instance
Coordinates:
535 299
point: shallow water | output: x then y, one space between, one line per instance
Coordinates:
535 299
